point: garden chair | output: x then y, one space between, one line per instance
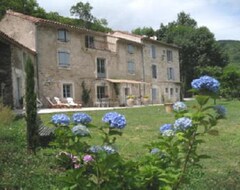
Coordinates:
52 105
71 103
61 104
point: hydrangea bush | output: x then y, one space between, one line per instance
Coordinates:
165 164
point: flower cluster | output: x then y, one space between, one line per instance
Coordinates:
206 83
80 130
60 119
87 158
167 130
82 118
182 124
107 148
179 106
74 160
220 110
115 120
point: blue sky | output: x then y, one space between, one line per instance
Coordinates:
222 17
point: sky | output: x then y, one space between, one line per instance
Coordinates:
221 17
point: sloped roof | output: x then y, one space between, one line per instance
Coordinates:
41 21
16 43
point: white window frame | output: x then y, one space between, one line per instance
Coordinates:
70 93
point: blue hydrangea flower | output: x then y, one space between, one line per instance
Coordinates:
167 130
220 110
155 151
179 106
82 118
109 149
206 83
60 119
80 130
108 117
182 123
115 120
95 149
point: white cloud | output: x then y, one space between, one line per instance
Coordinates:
220 16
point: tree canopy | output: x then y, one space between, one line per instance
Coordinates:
199 48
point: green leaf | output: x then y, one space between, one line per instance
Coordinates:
202 100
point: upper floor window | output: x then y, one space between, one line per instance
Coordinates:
101 69
131 67
130 49
153 51
67 90
154 71
89 42
169 56
170 73
63 35
63 58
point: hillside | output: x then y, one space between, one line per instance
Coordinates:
232 48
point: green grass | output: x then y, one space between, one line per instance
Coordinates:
221 171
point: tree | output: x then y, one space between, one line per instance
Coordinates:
82 11
198 47
31 108
148 31
29 7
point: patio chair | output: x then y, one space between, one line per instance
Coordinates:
52 105
61 104
71 103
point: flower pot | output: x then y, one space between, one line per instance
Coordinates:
130 102
145 101
168 107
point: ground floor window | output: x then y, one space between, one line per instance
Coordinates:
67 90
101 92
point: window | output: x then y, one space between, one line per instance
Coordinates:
154 94
166 90
153 51
131 67
63 35
176 90
63 58
89 42
171 91
67 90
169 56
170 73
130 49
101 71
101 92
154 71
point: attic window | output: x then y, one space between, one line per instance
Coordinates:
63 35
89 42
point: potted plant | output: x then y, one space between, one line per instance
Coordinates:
130 100
145 99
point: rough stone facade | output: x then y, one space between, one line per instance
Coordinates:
113 66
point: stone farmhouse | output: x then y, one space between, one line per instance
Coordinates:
112 65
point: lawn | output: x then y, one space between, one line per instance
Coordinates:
221 171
